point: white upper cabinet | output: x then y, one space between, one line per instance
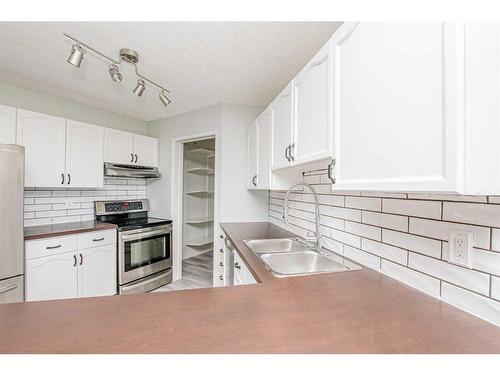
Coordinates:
84 155
7 124
44 139
312 115
145 151
252 155
282 128
118 147
398 106
126 148
264 150
482 41
259 152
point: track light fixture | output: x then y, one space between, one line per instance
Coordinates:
127 55
76 56
115 73
165 100
139 89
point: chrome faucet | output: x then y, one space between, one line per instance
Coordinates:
316 206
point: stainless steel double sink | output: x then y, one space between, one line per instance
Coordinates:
293 257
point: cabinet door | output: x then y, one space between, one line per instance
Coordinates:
97 271
252 156
281 117
52 277
264 150
483 110
398 106
44 139
118 147
7 124
84 155
312 101
146 151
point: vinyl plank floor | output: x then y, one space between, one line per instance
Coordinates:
196 273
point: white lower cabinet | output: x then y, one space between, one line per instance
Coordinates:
58 267
52 277
242 275
97 271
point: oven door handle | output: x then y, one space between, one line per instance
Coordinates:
137 236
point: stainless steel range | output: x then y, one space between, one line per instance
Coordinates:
144 245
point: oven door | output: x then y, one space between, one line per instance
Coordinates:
142 252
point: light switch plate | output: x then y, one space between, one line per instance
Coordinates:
461 248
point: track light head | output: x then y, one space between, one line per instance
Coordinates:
76 56
139 89
115 73
165 100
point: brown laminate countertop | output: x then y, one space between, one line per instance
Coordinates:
350 312
44 231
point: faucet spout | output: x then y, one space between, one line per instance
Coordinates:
316 209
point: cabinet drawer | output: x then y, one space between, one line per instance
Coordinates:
94 239
49 246
12 290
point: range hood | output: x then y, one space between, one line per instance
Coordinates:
130 171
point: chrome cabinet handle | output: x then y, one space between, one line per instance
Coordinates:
81 259
221 264
331 166
74 257
69 179
286 153
53 247
253 180
132 158
11 287
220 278
136 158
98 239
236 265
221 250
292 146
62 175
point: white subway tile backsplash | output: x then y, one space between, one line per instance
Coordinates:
472 213
362 257
385 220
48 206
408 239
363 230
418 208
417 280
472 280
495 287
385 251
411 242
441 230
482 260
480 306
364 203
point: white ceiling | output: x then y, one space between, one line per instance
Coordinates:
201 63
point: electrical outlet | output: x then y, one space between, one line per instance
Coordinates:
460 246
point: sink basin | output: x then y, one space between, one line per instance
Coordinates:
291 257
278 245
302 262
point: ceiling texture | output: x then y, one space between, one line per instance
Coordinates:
201 63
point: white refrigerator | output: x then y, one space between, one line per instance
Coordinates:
11 223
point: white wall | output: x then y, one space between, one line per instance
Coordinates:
19 97
231 121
